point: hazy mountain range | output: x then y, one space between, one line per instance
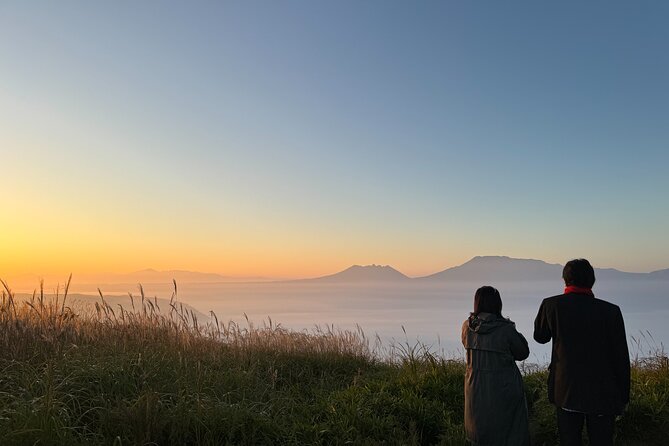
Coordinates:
145 276
478 269
483 269
366 273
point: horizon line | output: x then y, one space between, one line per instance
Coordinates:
268 279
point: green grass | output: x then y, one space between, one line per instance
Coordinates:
142 377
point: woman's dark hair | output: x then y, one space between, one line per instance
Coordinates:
487 300
579 272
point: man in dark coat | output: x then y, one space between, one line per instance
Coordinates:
589 377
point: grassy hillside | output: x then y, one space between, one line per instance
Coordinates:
146 375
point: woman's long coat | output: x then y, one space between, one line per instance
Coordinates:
495 406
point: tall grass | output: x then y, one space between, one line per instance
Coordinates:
149 375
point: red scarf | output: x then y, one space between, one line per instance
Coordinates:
578 290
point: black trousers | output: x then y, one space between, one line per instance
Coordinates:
570 426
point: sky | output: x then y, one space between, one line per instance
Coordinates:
295 138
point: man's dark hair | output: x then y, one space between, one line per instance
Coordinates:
579 272
487 300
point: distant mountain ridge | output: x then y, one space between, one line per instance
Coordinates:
660 274
364 273
508 269
147 276
498 268
477 269
481 269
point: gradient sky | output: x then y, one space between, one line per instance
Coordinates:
293 139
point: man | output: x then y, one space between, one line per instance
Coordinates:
589 377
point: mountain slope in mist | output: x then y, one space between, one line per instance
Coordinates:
498 268
366 273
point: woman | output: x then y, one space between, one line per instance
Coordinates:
495 407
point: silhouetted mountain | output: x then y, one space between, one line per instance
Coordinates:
489 269
662 274
614 274
148 276
367 273
152 276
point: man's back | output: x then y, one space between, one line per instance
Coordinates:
589 369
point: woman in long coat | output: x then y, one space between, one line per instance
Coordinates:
495 406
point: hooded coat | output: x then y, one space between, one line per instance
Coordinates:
495 406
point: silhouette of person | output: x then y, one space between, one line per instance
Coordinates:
495 406
589 373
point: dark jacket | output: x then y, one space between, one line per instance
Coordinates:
495 407
590 366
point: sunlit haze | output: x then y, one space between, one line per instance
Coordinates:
294 139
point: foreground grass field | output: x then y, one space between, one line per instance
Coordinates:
151 376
